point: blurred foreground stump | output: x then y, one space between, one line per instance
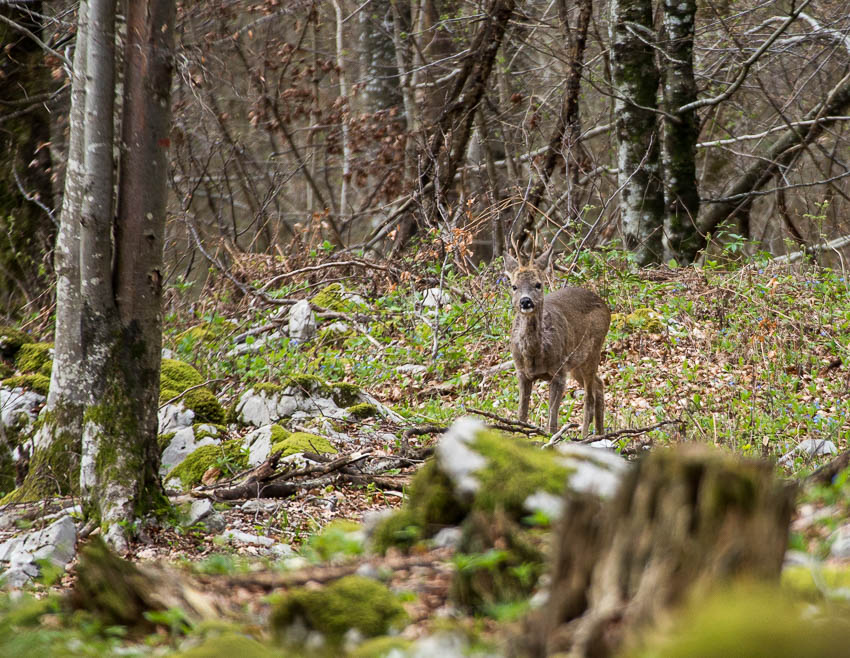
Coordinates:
684 518
120 593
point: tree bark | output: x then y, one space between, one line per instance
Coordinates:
25 185
564 140
101 423
681 195
635 79
738 196
683 519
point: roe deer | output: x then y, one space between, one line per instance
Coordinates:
552 335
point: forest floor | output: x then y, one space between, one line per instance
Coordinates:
753 358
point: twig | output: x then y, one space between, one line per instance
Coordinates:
322 266
418 431
630 431
508 421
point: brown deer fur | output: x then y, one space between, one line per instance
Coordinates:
555 334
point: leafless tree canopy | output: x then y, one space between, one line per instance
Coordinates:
467 124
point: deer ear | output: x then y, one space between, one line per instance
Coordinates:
544 261
511 263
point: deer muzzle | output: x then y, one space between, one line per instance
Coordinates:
526 305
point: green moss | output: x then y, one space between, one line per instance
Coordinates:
363 410
229 644
332 298
514 471
308 383
191 470
345 394
163 440
38 383
11 341
801 579
201 430
278 434
350 602
641 319
380 647
46 368
757 622
430 506
6 370
206 406
32 356
178 376
268 389
299 442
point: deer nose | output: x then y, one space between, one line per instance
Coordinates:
525 304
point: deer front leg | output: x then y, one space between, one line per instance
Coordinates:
524 397
556 394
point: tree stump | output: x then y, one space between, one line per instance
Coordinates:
684 518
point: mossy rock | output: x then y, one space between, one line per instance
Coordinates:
206 406
363 410
38 383
32 356
342 393
205 333
229 454
268 389
641 319
297 442
431 505
6 370
46 368
202 430
352 602
757 622
227 645
333 297
178 376
163 440
11 341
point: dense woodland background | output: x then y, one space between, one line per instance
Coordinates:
251 292
301 123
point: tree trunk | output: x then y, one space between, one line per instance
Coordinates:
681 196
565 138
635 79
102 408
683 519
27 230
738 195
56 455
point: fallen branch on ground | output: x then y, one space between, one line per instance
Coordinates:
631 431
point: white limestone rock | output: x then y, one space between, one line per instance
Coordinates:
181 446
302 321
18 556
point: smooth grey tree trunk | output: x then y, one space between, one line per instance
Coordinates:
681 196
102 409
635 78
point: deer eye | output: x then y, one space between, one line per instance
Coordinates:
538 285
513 287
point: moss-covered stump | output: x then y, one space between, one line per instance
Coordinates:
228 457
685 519
349 603
11 341
118 592
32 357
176 377
757 622
501 491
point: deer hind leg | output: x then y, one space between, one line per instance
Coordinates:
556 394
598 404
